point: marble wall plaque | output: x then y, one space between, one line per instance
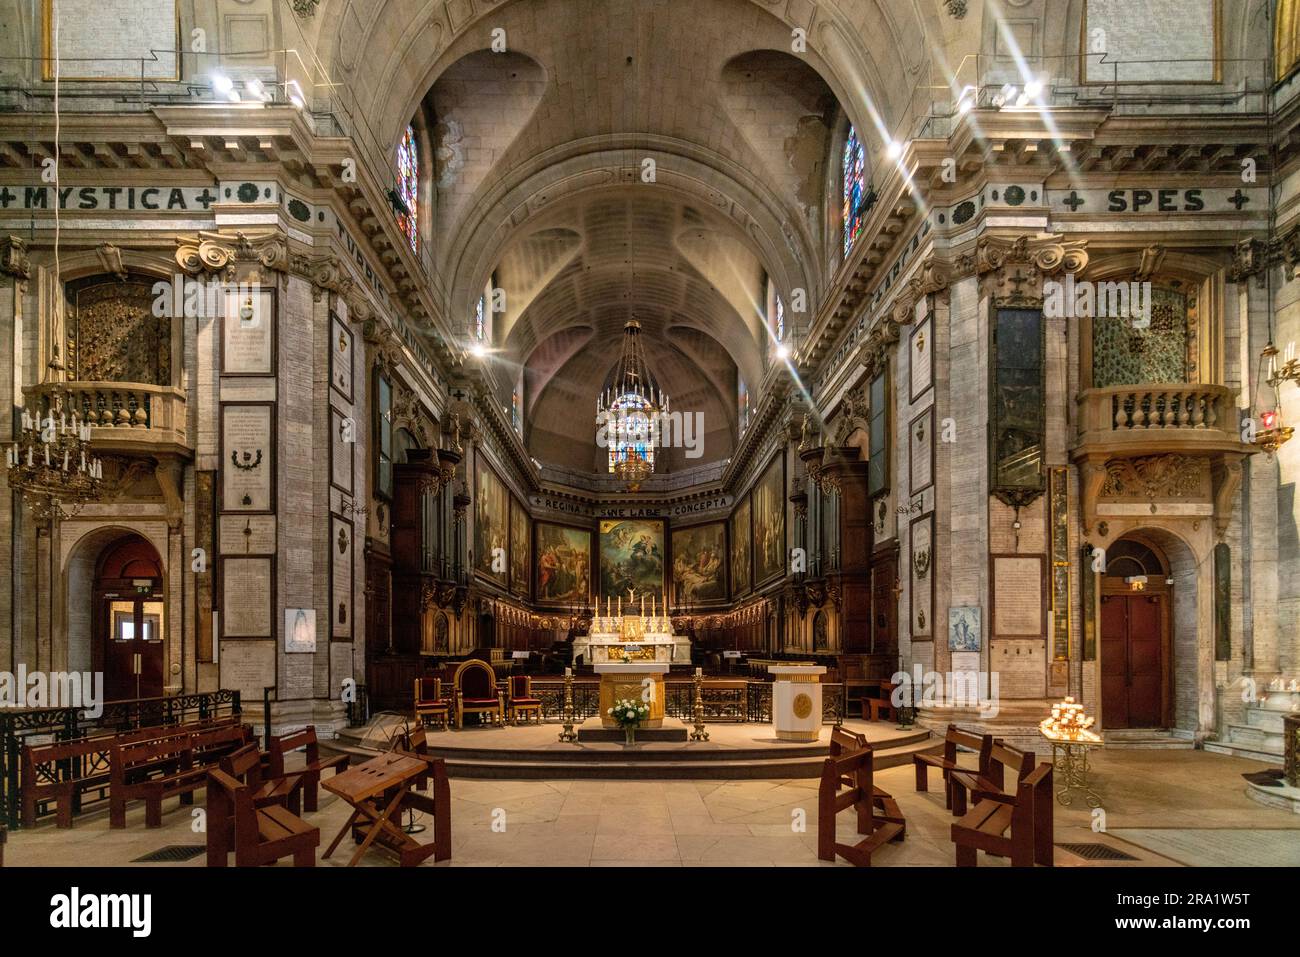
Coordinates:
1017 598
247 458
343 435
248 332
1173 41
921 459
248 535
342 551
921 535
247 667
113 39
246 597
922 352
341 348
1021 667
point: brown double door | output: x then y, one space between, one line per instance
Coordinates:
1134 660
130 619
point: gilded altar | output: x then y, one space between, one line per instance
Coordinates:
632 638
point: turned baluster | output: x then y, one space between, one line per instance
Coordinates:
1141 410
123 416
1211 410
1170 417
1121 414
1185 401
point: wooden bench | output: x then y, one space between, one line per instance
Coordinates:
883 705
947 762
62 772
311 774
247 767
175 764
990 782
258 835
878 814
1018 827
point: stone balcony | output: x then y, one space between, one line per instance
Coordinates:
1152 437
127 418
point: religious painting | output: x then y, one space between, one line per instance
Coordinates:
491 514
700 564
563 564
520 552
740 548
769 523
964 628
631 558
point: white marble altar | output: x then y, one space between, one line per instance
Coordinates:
631 638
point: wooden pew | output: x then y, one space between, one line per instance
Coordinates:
258 836
991 782
175 764
947 762
1018 827
246 767
878 814
306 738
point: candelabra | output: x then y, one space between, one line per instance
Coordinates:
699 734
52 464
568 734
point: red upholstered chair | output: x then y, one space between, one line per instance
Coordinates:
521 699
429 701
476 692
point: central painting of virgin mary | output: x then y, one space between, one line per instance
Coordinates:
631 557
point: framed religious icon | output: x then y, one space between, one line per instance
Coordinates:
768 504
299 630
247 330
491 524
341 349
562 564
632 558
740 548
921 351
699 556
964 628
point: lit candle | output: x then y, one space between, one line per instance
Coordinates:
66 454
620 606
699 672
568 672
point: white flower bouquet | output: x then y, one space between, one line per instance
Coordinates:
629 713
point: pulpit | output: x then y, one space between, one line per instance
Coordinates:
797 701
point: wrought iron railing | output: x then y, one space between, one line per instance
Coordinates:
48 725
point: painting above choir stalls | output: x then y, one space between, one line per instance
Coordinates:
1017 423
520 551
1126 351
631 558
699 564
740 540
563 564
491 513
769 523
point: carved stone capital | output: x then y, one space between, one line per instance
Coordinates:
110 257
215 252
875 349
1012 271
13 257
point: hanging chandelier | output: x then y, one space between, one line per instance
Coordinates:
1271 433
628 410
52 463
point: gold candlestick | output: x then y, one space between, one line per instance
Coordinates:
568 734
699 734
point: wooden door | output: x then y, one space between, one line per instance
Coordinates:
884 605
1133 669
129 617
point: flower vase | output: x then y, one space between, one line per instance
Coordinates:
629 734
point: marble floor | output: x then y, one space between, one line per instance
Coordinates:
1161 807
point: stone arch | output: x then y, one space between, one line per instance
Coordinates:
72 649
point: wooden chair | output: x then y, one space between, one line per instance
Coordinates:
246 766
1018 827
851 763
947 762
521 700
316 766
258 836
429 702
476 692
991 782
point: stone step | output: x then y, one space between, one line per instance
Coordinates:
1265 720
1145 739
1257 739
1239 751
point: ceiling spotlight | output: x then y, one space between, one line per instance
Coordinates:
256 90
783 351
293 92
894 150
1033 89
479 350
966 102
1005 95
1022 99
222 84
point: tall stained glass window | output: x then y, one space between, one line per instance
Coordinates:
854 172
480 318
633 430
780 319
408 179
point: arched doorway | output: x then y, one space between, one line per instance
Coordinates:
129 616
1136 636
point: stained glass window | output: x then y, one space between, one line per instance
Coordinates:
408 179
742 405
780 319
480 318
514 410
854 172
631 430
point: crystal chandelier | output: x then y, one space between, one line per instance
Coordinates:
628 411
52 463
